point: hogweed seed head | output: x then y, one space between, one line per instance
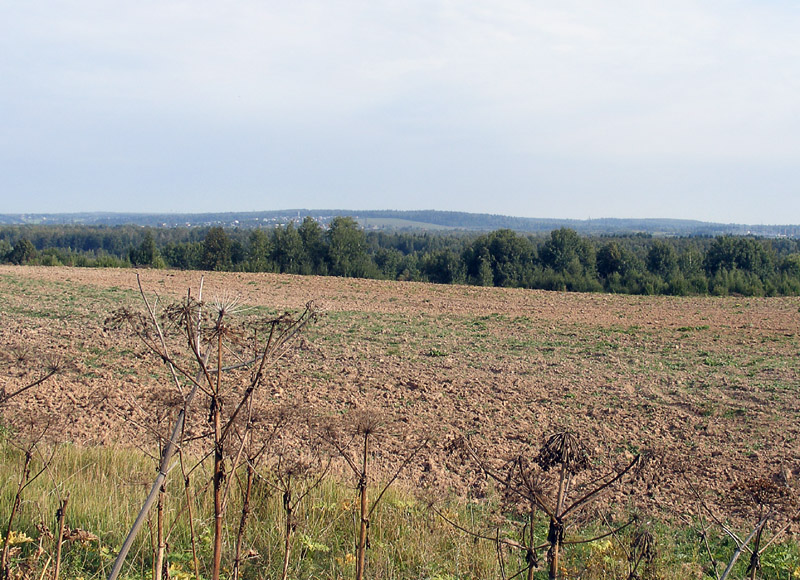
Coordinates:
760 493
563 449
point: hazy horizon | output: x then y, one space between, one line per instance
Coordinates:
300 213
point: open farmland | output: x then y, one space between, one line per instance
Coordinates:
712 383
706 388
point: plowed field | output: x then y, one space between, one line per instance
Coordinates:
710 383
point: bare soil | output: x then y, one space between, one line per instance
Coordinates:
708 385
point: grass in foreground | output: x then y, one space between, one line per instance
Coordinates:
407 539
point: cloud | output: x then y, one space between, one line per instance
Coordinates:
356 96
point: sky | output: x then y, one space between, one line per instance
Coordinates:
572 109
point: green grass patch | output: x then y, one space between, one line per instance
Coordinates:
408 540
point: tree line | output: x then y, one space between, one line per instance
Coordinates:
562 260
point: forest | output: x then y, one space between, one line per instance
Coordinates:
561 260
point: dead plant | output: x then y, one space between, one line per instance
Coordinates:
26 478
769 504
639 549
209 350
352 439
258 434
559 482
294 474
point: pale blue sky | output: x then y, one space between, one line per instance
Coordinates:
574 109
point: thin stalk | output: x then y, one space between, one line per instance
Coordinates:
60 517
189 501
741 547
585 499
45 567
498 548
218 478
530 554
234 467
394 477
5 397
362 533
161 544
496 539
157 326
237 559
555 532
600 537
755 556
162 476
780 532
529 493
288 510
219 467
704 536
26 471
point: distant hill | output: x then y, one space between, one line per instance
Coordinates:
418 220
